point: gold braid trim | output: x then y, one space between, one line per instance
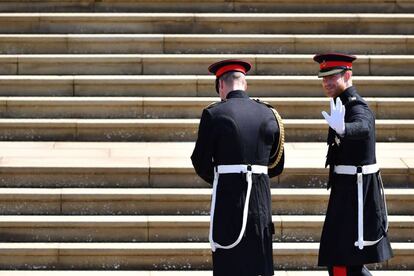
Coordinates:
281 145
214 104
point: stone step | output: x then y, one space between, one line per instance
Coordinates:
187 64
206 23
192 86
133 201
345 6
167 165
204 44
178 107
179 273
162 228
126 256
170 130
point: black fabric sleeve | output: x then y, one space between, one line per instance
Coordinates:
272 172
202 157
276 170
359 123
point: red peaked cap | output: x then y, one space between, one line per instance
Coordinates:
228 65
333 63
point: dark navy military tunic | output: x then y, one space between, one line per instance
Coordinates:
236 131
340 230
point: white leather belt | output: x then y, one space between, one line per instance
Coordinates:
352 170
225 169
257 169
360 171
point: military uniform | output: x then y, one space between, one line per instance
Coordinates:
356 225
238 149
340 231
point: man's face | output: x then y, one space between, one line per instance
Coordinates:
333 85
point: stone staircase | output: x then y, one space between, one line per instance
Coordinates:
100 102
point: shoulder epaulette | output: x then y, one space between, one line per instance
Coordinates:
354 101
280 147
264 103
212 105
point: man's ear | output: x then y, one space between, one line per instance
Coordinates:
347 75
221 84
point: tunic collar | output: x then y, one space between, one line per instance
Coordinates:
348 95
237 94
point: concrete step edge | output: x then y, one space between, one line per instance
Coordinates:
182 101
202 37
180 273
158 220
208 16
207 78
184 193
144 248
288 122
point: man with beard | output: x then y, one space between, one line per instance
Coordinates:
356 225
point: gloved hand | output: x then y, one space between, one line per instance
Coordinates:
337 118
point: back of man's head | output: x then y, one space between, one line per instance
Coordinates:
234 80
231 77
231 81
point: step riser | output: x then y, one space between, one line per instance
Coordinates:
139 110
193 87
379 6
186 273
170 44
89 132
144 176
141 65
146 24
162 232
138 178
150 259
197 260
169 132
170 205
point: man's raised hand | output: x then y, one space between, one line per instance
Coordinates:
337 118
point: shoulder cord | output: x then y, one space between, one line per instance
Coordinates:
280 146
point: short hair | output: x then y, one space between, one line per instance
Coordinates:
232 77
344 72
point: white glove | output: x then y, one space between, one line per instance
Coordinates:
337 118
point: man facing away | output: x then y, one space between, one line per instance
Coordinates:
239 147
356 225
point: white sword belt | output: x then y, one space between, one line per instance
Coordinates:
360 171
225 169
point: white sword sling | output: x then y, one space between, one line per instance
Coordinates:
224 169
360 171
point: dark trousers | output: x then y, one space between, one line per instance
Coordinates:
358 270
